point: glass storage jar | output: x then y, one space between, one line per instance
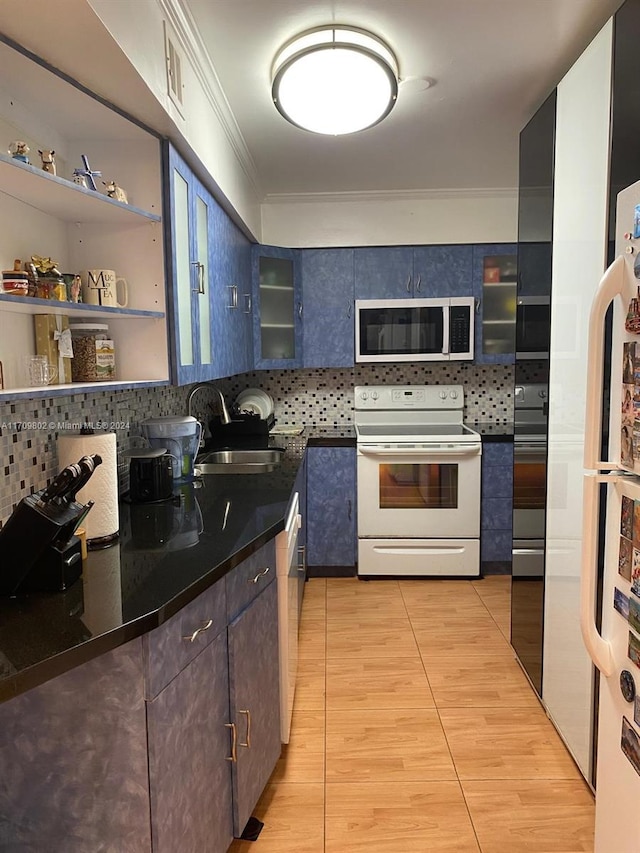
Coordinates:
94 358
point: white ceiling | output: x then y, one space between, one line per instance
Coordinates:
493 63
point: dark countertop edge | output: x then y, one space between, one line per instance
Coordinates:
497 438
33 676
330 441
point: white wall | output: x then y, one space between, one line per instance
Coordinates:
361 219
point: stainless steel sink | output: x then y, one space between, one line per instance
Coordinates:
238 461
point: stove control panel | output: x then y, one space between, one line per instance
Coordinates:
398 397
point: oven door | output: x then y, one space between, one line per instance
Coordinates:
529 490
427 492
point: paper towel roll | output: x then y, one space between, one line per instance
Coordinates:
103 519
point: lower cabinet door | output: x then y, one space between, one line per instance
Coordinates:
189 743
255 701
331 506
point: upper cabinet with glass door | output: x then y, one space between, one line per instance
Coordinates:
189 238
495 281
70 220
278 303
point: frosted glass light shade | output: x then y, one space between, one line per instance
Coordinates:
335 80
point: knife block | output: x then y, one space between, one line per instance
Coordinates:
34 545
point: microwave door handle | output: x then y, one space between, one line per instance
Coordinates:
446 315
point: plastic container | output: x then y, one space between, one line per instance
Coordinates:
180 435
94 358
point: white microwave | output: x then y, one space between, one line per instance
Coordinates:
415 329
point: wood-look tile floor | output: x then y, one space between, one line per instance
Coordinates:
415 731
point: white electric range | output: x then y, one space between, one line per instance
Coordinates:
419 469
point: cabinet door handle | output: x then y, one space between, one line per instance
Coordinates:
349 505
477 303
259 575
418 284
302 553
349 309
247 742
409 284
233 296
200 273
234 743
300 310
198 631
247 303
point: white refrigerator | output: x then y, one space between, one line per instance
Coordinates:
612 638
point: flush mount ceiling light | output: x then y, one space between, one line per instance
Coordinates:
335 80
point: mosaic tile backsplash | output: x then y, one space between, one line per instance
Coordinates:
314 397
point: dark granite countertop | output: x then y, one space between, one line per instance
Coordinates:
168 553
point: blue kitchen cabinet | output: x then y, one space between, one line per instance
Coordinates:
231 277
211 322
442 271
189 779
494 287
328 318
74 760
254 691
404 272
497 502
277 307
383 272
191 300
331 506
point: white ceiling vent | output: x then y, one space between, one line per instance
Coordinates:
174 62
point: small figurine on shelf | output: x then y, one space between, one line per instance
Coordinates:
19 151
115 192
74 283
87 173
48 161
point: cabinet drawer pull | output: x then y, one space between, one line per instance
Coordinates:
247 742
200 630
418 284
349 508
302 554
233 296
300 310
409 284
259 575
247 303
234 743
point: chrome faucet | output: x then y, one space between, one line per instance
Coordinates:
224 412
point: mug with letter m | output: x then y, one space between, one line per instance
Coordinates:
100 287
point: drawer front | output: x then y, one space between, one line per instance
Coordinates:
175 643
248 579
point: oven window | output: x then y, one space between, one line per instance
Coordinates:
529 485
418 486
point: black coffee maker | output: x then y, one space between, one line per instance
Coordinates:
150 475
38 549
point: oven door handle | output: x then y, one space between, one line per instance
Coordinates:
426 451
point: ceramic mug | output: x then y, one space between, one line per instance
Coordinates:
99 287
38 370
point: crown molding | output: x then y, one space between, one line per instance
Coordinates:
390 196
190 41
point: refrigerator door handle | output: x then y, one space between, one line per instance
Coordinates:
599 649
611 284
